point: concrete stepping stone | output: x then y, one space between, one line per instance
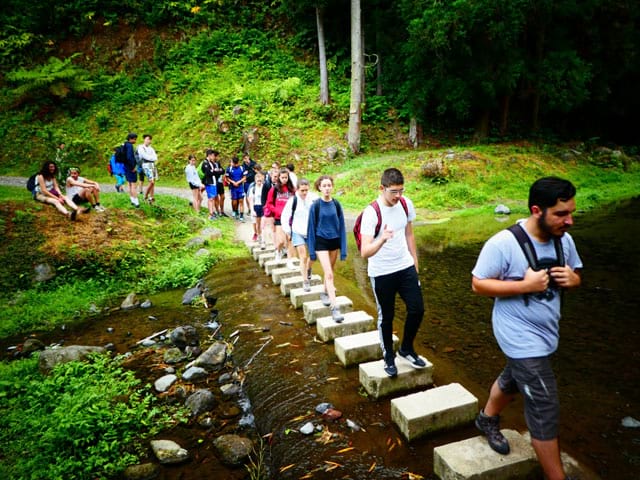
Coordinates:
288 284
315 309
265 256
378 384
257 251
271 265
473 459
299 297
440 408
284 272
354 322
361 347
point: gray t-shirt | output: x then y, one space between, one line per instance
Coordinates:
523 331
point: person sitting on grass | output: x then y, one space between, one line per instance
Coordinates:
83 190
48 191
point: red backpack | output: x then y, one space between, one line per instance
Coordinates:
376 207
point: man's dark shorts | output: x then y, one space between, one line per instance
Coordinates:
77 199
132 177
534 379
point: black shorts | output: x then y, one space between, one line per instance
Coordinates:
277 222
78 199
220 188
534 379
330 244
259 211
193 187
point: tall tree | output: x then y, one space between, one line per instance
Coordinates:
325 97
357 78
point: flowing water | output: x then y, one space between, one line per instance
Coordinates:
289 372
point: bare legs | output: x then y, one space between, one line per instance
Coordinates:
327 259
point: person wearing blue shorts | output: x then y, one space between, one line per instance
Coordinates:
131 169
526 317
211 182
236 177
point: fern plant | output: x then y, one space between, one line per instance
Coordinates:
56 79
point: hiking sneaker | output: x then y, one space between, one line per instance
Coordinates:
241 218
336 315
324 298
212 217
73 215
291 264
390 368
278 256
413 358
254 238
490 426
306 285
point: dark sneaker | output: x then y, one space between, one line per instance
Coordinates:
308 274
490 426
390 368
413 358
73 215
324 298
336 315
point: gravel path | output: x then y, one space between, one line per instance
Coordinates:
107 188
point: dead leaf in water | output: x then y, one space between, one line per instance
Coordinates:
448 349
344 450
372 467
332 465
282 345
284 469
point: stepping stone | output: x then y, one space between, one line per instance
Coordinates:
473 459
378 384
354 322
315 309
299 296
271 265
288 284
257 251
265 256
432 410
361 347
278 274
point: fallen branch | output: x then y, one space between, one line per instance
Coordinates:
151 337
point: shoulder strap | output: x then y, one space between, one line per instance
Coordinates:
403 202
376 208
525 244
295 204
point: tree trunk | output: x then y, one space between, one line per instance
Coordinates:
504 114
482 128
357 54
322 57
413 132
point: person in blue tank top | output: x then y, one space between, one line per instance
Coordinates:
526 316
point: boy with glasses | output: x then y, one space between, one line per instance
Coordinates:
393 267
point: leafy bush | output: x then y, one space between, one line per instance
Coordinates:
80 422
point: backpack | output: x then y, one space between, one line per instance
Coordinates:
200 171
31 182
121 154
356 226
530 254
293 209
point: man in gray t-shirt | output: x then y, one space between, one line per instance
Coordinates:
526 315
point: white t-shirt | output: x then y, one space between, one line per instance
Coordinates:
72 190
394 255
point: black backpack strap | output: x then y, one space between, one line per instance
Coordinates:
557 243
525 244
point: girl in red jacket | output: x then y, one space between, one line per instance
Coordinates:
276 200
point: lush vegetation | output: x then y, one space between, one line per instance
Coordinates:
85 420
142 251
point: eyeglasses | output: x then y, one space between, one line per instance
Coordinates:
400 191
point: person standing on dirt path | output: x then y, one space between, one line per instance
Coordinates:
209 168
250 167
393 267
526 316
131 168
148 158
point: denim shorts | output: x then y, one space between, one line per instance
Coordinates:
297 239
534 379
150 170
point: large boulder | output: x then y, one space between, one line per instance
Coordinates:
200 401
168 451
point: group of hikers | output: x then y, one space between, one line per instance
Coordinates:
524 268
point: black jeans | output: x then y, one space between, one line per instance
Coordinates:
385 287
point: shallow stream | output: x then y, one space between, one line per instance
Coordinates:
289 371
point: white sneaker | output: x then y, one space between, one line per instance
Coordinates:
306 285
278 256
291 264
